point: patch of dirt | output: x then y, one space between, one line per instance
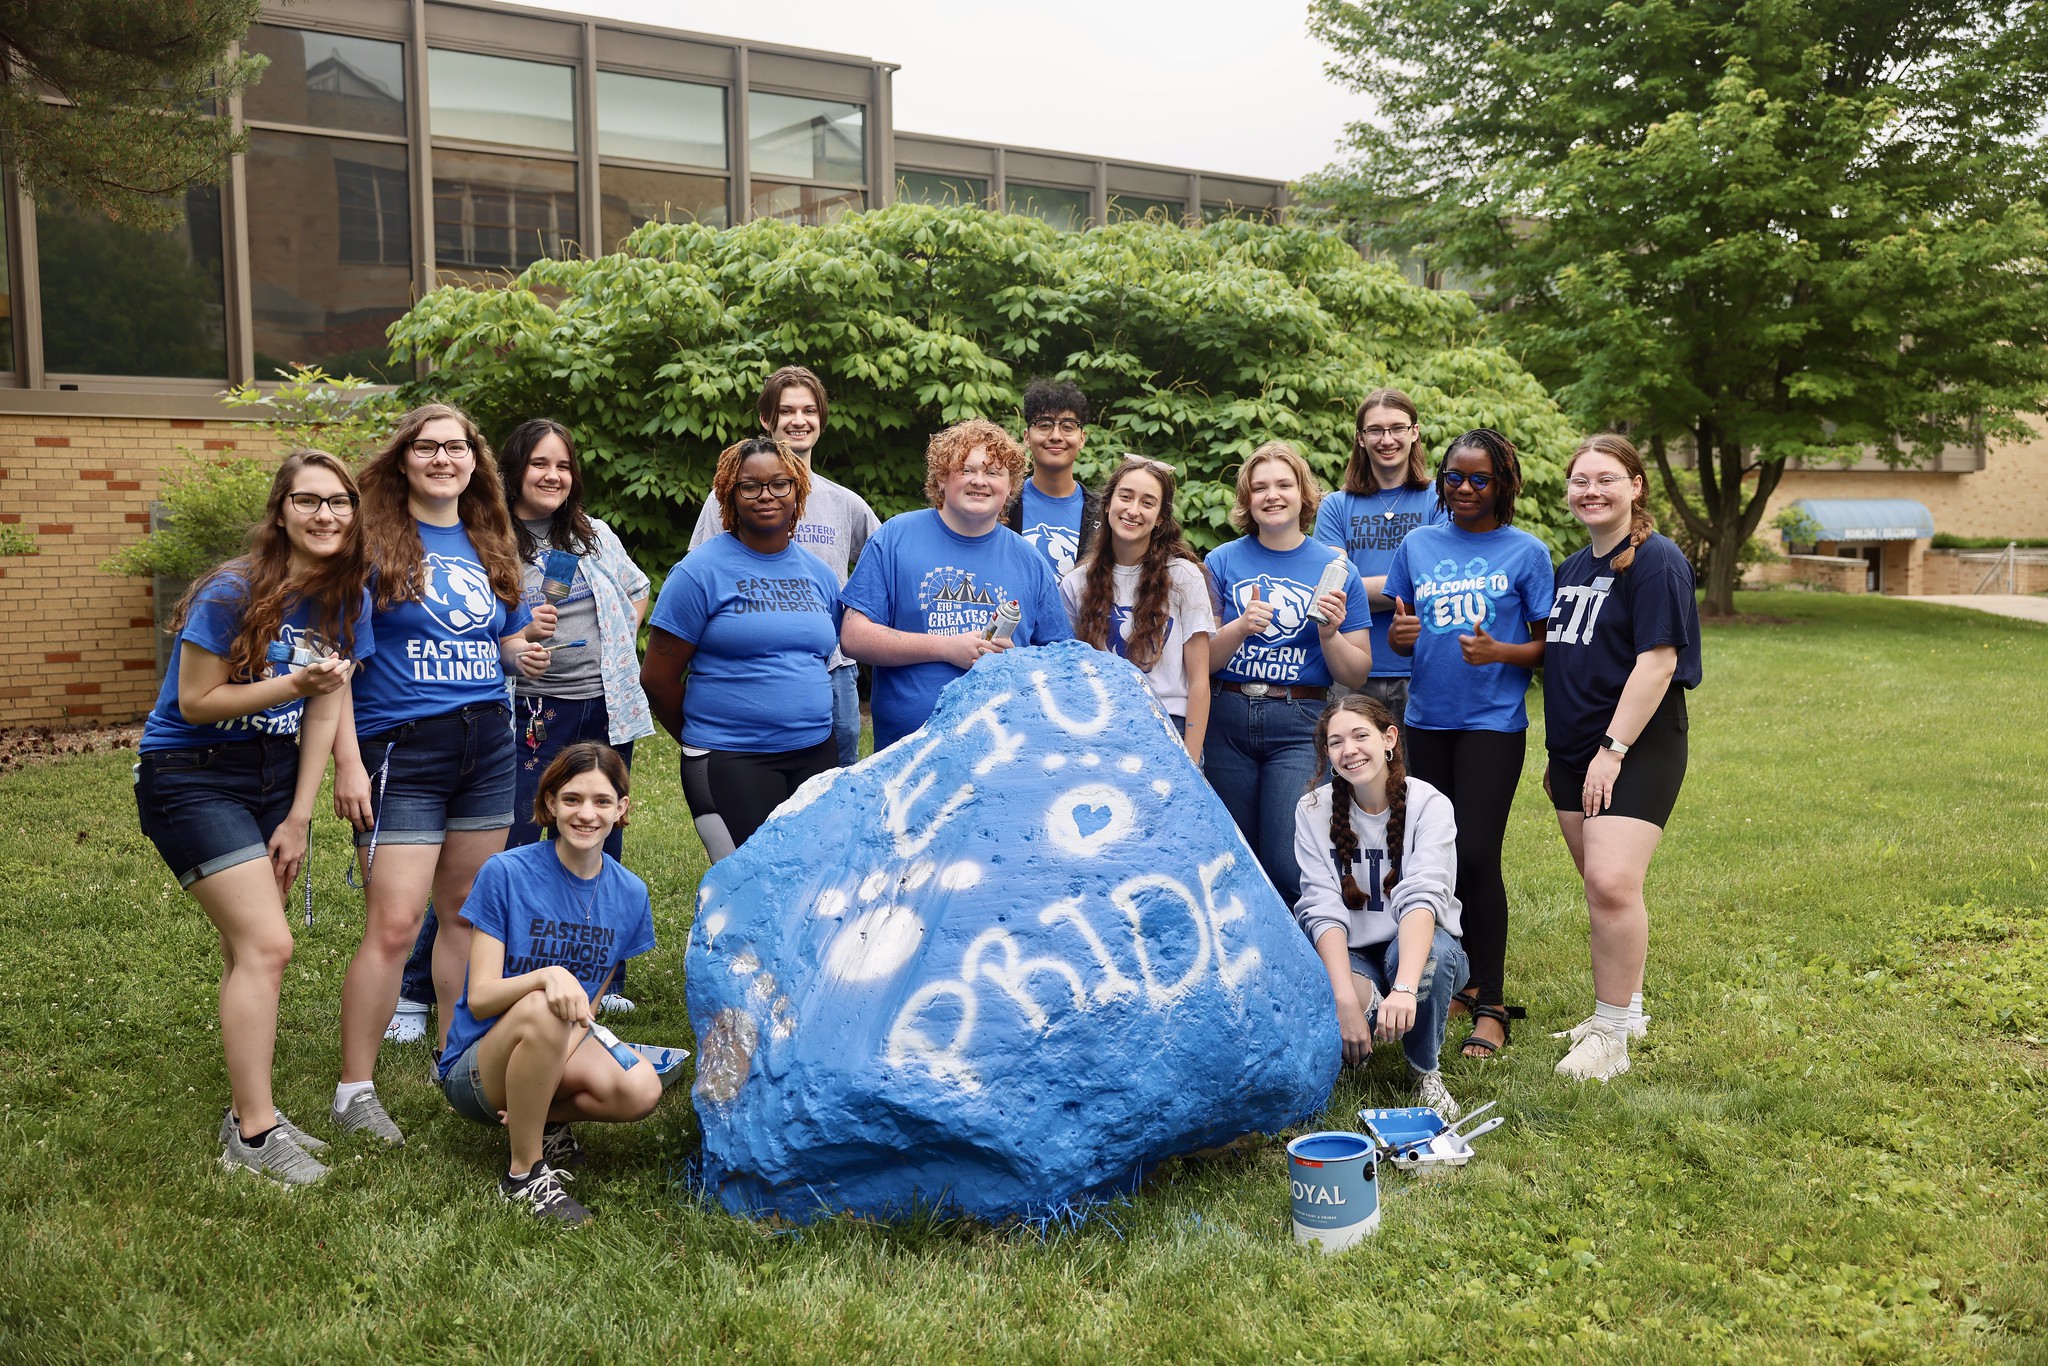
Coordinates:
23 746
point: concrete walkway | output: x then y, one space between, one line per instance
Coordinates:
2021 605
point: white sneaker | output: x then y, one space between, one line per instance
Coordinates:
611 1003
1599 1055
1431 1091
1638 1026
408 1023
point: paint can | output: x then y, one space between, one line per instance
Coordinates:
1334 1180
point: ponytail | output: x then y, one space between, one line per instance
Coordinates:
1641 526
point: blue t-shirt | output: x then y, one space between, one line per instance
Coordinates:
1369 527
1456 581
918 574
765 627
1290 650
213 623
1600 623
1053 525
546 916
440 649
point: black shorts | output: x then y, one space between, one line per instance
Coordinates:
1651 772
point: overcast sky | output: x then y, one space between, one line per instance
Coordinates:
1207 84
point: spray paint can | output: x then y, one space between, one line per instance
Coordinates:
1005 623
1332 580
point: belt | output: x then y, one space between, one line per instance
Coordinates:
1277 691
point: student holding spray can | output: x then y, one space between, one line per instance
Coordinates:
553 923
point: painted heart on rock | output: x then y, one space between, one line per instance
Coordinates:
1010 962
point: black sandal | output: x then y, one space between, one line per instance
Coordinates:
1467 1000
1499 1015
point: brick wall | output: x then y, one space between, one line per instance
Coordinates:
1952 571
83 645
2008 497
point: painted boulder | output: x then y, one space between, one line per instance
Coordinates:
1003 966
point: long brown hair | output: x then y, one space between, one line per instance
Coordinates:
1358 476
393 541
1152 610
1343 839
1641 525
569 527
270 591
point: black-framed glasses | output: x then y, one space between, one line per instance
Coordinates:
774 488
1399 433
1065 426
1457 479
427 450
342 505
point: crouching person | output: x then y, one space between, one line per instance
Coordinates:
1378 856
553 922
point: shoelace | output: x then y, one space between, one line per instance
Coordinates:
545 1191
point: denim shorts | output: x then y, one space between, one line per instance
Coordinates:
211 808
454 771
464 1087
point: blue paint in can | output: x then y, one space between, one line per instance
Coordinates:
1334 1179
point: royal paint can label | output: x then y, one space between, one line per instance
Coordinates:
1333 1180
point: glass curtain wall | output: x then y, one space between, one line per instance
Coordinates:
795 138
1063 208
931 187
648 131
496 214
117 301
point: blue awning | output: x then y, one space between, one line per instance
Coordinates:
1868 519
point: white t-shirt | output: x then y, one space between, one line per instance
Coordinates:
1189 611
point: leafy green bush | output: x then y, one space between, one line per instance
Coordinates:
15 541
1193 345
1944 541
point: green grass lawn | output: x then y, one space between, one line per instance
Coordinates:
1832 1145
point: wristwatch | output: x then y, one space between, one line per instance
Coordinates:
1398 987
1609 742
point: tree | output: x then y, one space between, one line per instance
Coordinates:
137 84
1764 229
1192 345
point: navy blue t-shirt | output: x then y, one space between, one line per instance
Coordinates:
1053 525
1369 527
212 624
1600 623
1457 580
546 916
765 627
440 650
1290 651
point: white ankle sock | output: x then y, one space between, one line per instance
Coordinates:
347 1091
1613 1019
1635 1010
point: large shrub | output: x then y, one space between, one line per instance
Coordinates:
1194 346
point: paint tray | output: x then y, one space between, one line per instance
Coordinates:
667 1062
1406 1135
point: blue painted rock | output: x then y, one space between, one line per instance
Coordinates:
1005 965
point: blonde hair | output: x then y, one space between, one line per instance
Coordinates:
1304 479
1641 526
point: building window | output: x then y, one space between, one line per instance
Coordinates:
6 304
496 99
1067 209
673 122
806 204
498 213
628 197
1213 212
121 302
805 139
322 80
1123 207
330 252
930 187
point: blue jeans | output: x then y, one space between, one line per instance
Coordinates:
1260 756
1443 974
846 712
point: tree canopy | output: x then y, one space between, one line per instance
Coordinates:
1762 230
1191 345
136 86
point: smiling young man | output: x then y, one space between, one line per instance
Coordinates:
921 599
836 525
1050 509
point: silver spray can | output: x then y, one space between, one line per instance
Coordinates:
1005 623
1334 574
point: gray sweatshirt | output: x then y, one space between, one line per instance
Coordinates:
1429 868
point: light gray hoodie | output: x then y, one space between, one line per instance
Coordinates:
1429 867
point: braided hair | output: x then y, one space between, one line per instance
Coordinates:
1641 526
1343 839
1507 470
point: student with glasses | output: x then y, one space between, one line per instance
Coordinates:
1050 509
426 775
753 618
1470 598
232 757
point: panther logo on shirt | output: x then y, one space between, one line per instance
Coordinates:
1120 630
459 594
1060 544
1290 602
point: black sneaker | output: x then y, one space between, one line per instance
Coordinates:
560 1150
541 1192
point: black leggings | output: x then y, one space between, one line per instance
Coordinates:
1478 770
732 794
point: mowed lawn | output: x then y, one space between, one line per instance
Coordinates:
1832 1146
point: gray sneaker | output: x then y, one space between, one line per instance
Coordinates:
366 1114
280 1158
560 1150
541 1192
299 1136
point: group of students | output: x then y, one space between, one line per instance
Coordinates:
376 619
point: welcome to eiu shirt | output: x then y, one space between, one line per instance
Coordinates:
1290 651
1457 581
439 651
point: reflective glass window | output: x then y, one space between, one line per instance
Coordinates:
1255 213
627 197
330 251
117 301
788 135
1069 209
6 303
500 213
808 204
644 119
325 80
497 99
1124 206
929 187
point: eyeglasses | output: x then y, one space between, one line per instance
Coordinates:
1147 462
342 505
1399 433
427 450
1457 479
984 471
1579 483
774 488
1065 426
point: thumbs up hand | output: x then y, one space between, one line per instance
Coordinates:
1258 614
1479 647
1405 629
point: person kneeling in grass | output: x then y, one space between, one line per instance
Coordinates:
553 922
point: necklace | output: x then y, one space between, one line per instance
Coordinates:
1387 512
